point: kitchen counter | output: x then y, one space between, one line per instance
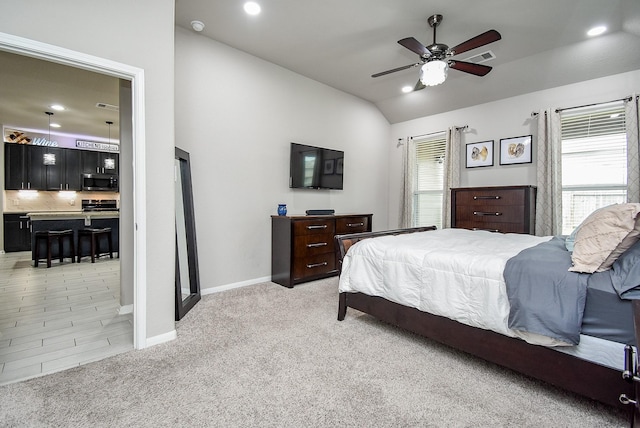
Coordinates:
72 215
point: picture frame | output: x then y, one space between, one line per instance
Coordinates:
329 166
516 150
480 154
339 166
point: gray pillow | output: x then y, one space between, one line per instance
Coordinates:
625 273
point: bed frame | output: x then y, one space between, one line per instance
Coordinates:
588 379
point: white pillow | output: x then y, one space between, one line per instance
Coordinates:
603 236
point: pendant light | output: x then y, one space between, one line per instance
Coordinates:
49 158
109 163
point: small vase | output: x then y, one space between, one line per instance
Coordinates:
282 209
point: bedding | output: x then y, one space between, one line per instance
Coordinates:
455 273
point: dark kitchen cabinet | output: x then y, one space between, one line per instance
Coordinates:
17 233
63 169
99 162
24 167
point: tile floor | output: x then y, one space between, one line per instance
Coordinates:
60 317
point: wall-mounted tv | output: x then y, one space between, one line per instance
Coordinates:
315 167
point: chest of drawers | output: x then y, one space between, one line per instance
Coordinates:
303 247
507 209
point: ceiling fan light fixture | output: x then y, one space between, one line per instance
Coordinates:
434 72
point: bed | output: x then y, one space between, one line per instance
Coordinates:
596 362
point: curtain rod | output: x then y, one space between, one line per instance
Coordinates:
457 128
558 110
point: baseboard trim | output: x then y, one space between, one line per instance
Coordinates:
212 290
161 338
126 309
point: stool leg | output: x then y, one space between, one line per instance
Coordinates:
73 249
49 239
36 252
61 248
93 248
110 241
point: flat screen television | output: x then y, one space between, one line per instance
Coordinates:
315 167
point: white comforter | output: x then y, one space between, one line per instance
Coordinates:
455 273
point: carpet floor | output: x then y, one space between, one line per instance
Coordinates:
267 356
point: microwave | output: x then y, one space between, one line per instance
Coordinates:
101 182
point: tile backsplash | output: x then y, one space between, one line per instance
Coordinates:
16 201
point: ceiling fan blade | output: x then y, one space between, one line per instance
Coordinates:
415 46
404 67
419 86
477 41
469 67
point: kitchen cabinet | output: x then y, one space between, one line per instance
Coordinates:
99 162
63 172
17 232
24 167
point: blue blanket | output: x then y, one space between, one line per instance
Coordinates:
545 297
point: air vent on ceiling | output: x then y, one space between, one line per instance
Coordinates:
483 57
107 106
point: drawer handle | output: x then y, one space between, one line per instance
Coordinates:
481 213
317 244
315 265
475 198
355 224
324 226
486 230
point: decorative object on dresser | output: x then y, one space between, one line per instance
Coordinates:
505 209
303 247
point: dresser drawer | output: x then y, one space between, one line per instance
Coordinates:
490 214
308 245
352 224
485 198
493 227
314 265
314 227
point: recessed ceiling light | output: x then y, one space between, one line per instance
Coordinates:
252 8
55 125
596 31
197 26
57 107
407 89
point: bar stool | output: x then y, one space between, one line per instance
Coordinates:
49 236
94 236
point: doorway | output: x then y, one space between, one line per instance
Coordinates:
131 187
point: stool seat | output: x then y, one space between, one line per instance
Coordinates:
94 235
48 237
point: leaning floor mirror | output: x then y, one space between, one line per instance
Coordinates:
187 277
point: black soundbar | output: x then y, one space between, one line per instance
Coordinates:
321 212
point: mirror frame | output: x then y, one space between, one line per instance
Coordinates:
185 305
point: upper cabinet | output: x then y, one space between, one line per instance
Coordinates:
24 167
28 167
99 162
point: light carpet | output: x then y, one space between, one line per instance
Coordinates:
268 356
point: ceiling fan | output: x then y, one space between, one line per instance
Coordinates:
435 59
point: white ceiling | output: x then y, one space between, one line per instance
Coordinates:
342 42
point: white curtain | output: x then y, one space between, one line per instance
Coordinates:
549 174
451 171
408 174
633 160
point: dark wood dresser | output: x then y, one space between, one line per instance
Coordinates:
506 209
303 247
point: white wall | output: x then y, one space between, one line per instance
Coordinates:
510 117
139 34
236 115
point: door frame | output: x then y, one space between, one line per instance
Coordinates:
35 49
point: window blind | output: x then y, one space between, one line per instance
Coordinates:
429 179
594 160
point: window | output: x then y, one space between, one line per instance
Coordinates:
594 161
429 180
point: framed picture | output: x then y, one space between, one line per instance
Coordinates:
480 154
515 150
339 166
328 167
